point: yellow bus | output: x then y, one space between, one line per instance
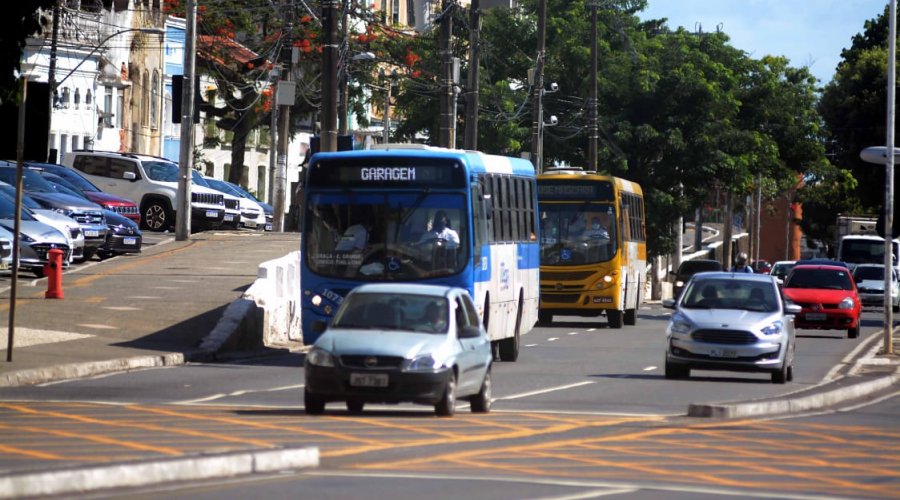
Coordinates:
593 246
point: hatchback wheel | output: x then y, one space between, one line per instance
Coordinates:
355 406
446 407
853 333
780 376
481 402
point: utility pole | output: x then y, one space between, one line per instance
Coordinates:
593 138
186 153
51 76
537 111
473 78
447 93
284 98
328 141
344 78
273 142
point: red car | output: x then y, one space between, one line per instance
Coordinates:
828 296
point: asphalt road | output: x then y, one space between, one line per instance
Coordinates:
585 412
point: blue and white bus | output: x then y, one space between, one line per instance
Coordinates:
420 214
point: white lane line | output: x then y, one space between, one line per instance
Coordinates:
574 333
530 345
552 339
592 329
236 393
834 372
544 391
650 368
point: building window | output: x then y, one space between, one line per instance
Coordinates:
108 110
227 174
66 97
88 99
77 99
120 115
145 99
154 100
75 139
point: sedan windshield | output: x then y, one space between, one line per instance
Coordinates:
420 313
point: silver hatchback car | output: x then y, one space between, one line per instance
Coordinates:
732 322
393 343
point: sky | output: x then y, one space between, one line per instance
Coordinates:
809 33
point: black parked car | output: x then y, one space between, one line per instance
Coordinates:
689 268
123 236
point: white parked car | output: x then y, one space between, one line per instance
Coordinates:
65 224
252 214
870 285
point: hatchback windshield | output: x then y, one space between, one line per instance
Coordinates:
420 313
832 279
731 294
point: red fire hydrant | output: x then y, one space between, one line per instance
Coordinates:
53 270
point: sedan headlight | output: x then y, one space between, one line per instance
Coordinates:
847 303
24 237
424 363
320 357
774 329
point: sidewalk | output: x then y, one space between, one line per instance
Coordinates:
149 309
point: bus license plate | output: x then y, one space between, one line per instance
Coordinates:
815 316
131 241
369 379
211 214
723 353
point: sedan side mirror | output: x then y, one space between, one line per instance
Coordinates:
792 309
469 332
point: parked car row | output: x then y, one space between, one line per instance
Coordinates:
746 322
63 207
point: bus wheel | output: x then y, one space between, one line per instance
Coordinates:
509 348
614 318
630 317
545 317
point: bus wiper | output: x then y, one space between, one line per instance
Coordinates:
415 205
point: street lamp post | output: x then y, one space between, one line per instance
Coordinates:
389 77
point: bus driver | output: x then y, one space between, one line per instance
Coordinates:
441 230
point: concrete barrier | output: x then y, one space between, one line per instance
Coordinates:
276 292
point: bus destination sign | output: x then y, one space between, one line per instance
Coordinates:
387 173
565 190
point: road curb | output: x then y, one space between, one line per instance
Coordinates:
134 474
796 403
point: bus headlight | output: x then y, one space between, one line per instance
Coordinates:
316 300
604 282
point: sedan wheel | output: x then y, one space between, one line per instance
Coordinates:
676 371
781 375
481 402
446 407
313 404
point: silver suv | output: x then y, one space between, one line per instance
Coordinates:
150 181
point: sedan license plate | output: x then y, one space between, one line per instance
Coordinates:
815 316
268 227
229 217
130 241
722 353
91 233
211 214
369 379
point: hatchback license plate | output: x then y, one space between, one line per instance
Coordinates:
369 379
815 316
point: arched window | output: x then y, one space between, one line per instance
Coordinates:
145 101
77 99
154 100
88 99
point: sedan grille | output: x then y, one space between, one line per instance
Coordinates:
360 361
43 249
208 198
736 337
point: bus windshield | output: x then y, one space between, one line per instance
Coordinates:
577 234
386 236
